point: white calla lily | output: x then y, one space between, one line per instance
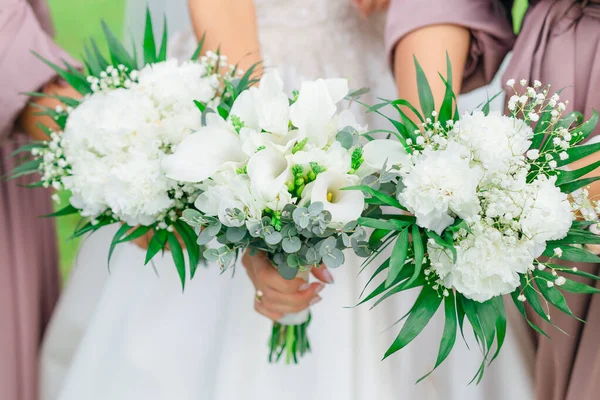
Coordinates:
269 170
312 113
205 152
244 108
378 152
272 104
344 205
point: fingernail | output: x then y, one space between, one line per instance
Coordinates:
303 287
319 288
327 276
315 300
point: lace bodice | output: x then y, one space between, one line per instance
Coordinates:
302 13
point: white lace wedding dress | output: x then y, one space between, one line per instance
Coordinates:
134 335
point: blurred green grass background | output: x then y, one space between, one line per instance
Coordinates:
78 20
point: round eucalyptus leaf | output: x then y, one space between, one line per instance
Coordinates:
213 228
255 228
291 244
312 256
361 249
349 226
287 271
303 222
236 234
345 239
359 234
273 238
211 254
192 217
315 208
333 259
293 260
205 237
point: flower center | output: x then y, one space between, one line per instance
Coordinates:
329 196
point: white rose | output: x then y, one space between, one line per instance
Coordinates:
205 152
440 185
344 205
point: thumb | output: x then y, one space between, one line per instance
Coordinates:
322 274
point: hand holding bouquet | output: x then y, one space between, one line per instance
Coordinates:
109 154
271 172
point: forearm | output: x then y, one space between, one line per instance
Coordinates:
229 25
29 119
430 45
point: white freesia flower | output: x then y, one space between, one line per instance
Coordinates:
266 107
205 152
269 170
547 214
344 205
378 152
497 141
315 108
488 263
441 185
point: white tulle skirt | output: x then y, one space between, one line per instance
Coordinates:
133 334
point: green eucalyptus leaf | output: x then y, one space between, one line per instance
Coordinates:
291 244
235 234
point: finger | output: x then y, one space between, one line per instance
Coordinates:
322 274
266 276
366 7
261 309
291 303
383 5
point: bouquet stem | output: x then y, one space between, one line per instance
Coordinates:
289 339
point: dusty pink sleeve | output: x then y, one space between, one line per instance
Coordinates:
20 70
488 20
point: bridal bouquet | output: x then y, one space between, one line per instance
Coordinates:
271 172
488 209
113 141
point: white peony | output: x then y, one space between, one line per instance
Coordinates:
205 152
497 141
440 186
547 213
344 205
488 263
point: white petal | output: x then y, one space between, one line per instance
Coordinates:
338 88
380 151
203 153
245 108
268 171
345 205
313 111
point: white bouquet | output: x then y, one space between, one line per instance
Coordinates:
271 173
113 141
484 197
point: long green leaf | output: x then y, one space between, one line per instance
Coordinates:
82 86
578 152
102 62
445 113
425 94
198 50
71 102
521 307
399 253
498 302
190 239
162 54
573 186
149 43
391 225
460 312
419 252
137 233
584 130
157 243
449 334
570 253
552 294
577 287
425 306
177 254
533 299
67 210
575 236
115 241
118 53
569 176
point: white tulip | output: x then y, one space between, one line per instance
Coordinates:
205 152
384 151
312 113
268 170
344 205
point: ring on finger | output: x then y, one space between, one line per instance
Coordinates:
259 295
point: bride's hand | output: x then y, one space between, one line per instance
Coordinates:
368 7
279 296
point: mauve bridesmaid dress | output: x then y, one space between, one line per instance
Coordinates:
559 43
29 280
